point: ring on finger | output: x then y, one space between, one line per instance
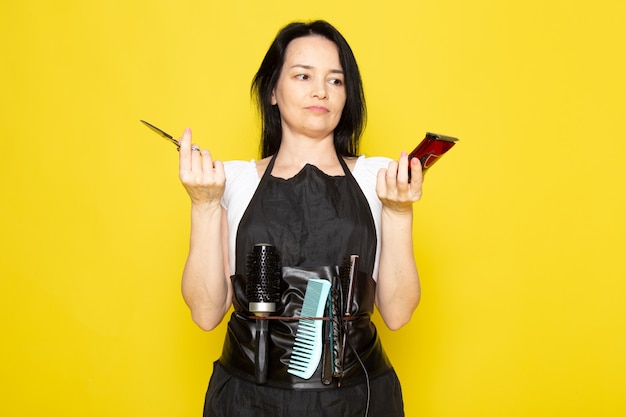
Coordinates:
195 148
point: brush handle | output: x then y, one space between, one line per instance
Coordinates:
261 354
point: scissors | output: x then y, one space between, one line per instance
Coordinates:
163 134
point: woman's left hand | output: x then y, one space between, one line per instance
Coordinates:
398 287
393 186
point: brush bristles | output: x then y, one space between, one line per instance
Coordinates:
263 272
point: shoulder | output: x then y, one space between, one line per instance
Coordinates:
241 182
238 170
366 173
369 166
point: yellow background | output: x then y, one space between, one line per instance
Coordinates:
519 236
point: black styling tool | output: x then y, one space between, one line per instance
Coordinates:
263 293
336 329
347 273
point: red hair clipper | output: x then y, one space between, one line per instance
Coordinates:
430 149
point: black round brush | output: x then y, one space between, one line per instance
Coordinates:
263 293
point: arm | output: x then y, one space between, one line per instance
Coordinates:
398 286
206 286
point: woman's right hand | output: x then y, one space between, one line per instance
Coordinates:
206 284
202 177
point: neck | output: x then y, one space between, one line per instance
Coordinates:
292 156
307 151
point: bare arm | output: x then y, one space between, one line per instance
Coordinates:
206 285
398 286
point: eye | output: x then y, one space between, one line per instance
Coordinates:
336 81
301 77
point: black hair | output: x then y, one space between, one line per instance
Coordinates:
350 127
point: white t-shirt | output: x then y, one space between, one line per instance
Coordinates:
242 180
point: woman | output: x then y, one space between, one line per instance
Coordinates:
317 202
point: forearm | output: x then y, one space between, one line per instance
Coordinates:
398 286
205 285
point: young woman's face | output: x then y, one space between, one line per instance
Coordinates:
310 91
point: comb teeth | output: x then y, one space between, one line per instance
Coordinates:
263 272
307 348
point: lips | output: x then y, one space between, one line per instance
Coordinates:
318 109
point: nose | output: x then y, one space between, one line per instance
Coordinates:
319 90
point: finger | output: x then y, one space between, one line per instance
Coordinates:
207 164
403 171
391 180
196 160
218 170
185 152
416 171
417 178
381 182
392 172
403 165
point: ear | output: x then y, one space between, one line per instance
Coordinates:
274 102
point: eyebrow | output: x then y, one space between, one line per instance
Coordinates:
309 67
